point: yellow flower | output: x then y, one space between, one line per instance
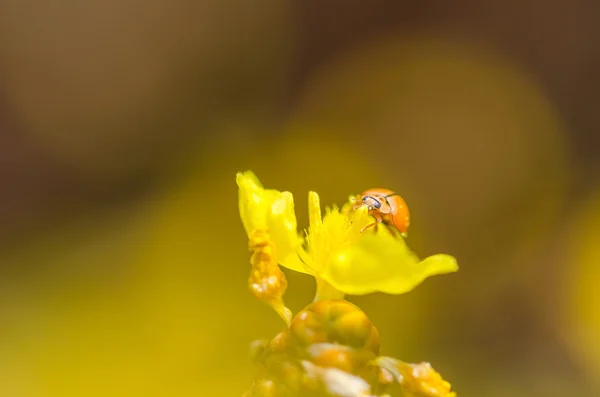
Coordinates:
361 263
336 253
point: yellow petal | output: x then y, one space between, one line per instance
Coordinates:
293 262
298 260
314 209
270 211
281 224
382 262
411 277
252 204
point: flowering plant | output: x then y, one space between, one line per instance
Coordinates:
330 348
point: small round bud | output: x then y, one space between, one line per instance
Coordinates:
335 321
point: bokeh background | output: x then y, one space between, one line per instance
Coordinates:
123 263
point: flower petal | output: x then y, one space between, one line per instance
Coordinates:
314 209
252 205
382 262
270 211
281 224
293 262
299 260
430 266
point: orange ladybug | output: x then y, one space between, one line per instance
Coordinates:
386 207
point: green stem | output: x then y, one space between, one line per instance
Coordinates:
326 291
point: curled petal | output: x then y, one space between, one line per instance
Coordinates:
252 205
272 212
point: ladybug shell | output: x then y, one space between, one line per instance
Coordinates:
393 209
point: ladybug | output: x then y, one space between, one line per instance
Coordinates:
386 207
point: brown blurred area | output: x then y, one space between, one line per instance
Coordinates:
122 259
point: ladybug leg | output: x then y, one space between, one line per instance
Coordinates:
368 226
376 223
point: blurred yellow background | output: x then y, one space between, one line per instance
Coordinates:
123 262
